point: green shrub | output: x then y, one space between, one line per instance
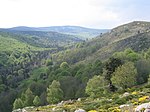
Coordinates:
120 101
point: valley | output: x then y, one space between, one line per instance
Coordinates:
68 68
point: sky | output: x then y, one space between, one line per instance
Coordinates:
87 13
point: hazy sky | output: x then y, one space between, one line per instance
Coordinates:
88 13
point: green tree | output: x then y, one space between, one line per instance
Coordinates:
17 104
143 70
36 101
29 97
110 67
64 73
43 100
127 54
54 92
125 75
64 65
49 62
69 85
1 81
96 86
149 80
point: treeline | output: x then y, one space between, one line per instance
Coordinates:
63 82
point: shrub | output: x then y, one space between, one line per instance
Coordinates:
143 99
120 101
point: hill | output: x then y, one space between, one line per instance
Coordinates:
20 53
135 35
42 39
81 32
41 68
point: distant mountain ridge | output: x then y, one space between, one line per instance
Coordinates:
81 32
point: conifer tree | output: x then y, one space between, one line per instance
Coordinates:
17 103
36 101
29 97
54 93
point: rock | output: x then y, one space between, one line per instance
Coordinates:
125 94
79 99
20 110
68 102
23 110
147 110
61 103
145 106
125 105
110 100
53 109
17 110
79 110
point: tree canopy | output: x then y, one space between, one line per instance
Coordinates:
54 93
125 75
96 86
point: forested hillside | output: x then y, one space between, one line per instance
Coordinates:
97 72
20 53
135 35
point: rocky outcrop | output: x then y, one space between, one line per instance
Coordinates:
144 106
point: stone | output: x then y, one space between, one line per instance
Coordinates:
79 110
61 103
79 99
147 110
125 94
17 110
125 105
23 110
145 106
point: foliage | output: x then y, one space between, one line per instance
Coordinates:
128 54
143 70
34 59
110 67
29 97
36 101
70 86
64 65
54 93
18 103
96 86
49 62
125 75
149 80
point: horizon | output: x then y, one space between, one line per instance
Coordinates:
97 14
52 26
73 26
